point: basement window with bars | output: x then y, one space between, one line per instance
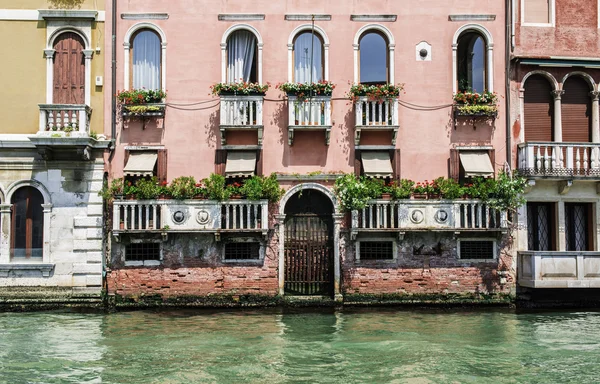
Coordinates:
476 249
147 253
242 251
375 250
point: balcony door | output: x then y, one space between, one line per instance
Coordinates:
69 69
541 227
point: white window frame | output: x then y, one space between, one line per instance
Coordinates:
261 250
391 48
377 240
163 53
318 31
140 263
489 55
259 44
494 248
551 24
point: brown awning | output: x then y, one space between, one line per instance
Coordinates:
140 164
476 164
240 163
377 164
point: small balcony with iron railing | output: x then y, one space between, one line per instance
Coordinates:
425 215
309 114
189 216
555 269
241 112
375 115
559 160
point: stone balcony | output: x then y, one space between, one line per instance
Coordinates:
553 269
424 215
559 160
373 115
241 112
313 113
191 216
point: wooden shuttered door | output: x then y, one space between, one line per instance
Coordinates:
259 162
538 111
576 111
395 156
454 165
69 70
161 165
220 161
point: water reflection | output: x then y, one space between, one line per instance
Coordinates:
281 346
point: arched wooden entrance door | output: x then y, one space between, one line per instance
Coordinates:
308 244
69 69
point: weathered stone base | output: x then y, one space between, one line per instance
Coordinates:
47 298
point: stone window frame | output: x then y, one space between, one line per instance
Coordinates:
489 45
259 46
144 263
377 28
261 250
552 21
320 32
128 41
376 239
494 248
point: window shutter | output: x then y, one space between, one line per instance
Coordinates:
161 165
259 163
454 165
357 163
396 164
125 158
220 161
538 109
492 155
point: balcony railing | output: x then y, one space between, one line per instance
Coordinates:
73 119
241 111
552 269
559 159
376 115
189 215
309 114
400 215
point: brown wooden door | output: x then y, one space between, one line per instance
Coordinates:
308 255
27 223
538 109
69 69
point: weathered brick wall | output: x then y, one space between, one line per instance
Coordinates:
576 32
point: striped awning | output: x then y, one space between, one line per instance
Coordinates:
377 164
240 163
476 164
140 164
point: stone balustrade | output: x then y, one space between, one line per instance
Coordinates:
241 111
67 118
559 159
553 269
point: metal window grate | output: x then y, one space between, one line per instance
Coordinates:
242 251
376 250
142 251
476 249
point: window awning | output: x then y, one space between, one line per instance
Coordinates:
377 164
140 164
476 164
240 163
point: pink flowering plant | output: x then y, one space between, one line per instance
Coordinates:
306 90
375 92
472 103
240 88
141 96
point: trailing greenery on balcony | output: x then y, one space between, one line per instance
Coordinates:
241 88
468 103
306 90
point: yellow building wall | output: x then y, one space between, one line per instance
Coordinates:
23 67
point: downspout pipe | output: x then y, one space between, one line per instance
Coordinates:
113 86
507 77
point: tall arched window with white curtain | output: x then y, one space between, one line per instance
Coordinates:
146 60
308 58
471 62
242 57
373 65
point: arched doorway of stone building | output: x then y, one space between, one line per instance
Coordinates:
308 244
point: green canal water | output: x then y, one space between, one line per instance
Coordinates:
275 346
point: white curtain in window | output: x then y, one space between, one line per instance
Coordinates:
304 62
240 56
146 60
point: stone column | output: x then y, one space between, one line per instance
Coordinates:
46 245
595 95
5 236
281 269
126 48
490 68
87 54
521 114
49 53
337 272
557 115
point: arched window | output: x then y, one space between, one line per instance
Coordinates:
538 109
471 62
145 60
242 57
308 58
27 223
576 110
373 62
68 69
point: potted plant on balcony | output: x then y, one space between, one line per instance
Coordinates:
215 187
401 189
375 92
469 103
449 188
354 193
183 187
114 191
306 90
141 102
239 88
148 188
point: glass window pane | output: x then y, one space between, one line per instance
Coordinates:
303 60
28 223
471 63
373 59
241 49
146 60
